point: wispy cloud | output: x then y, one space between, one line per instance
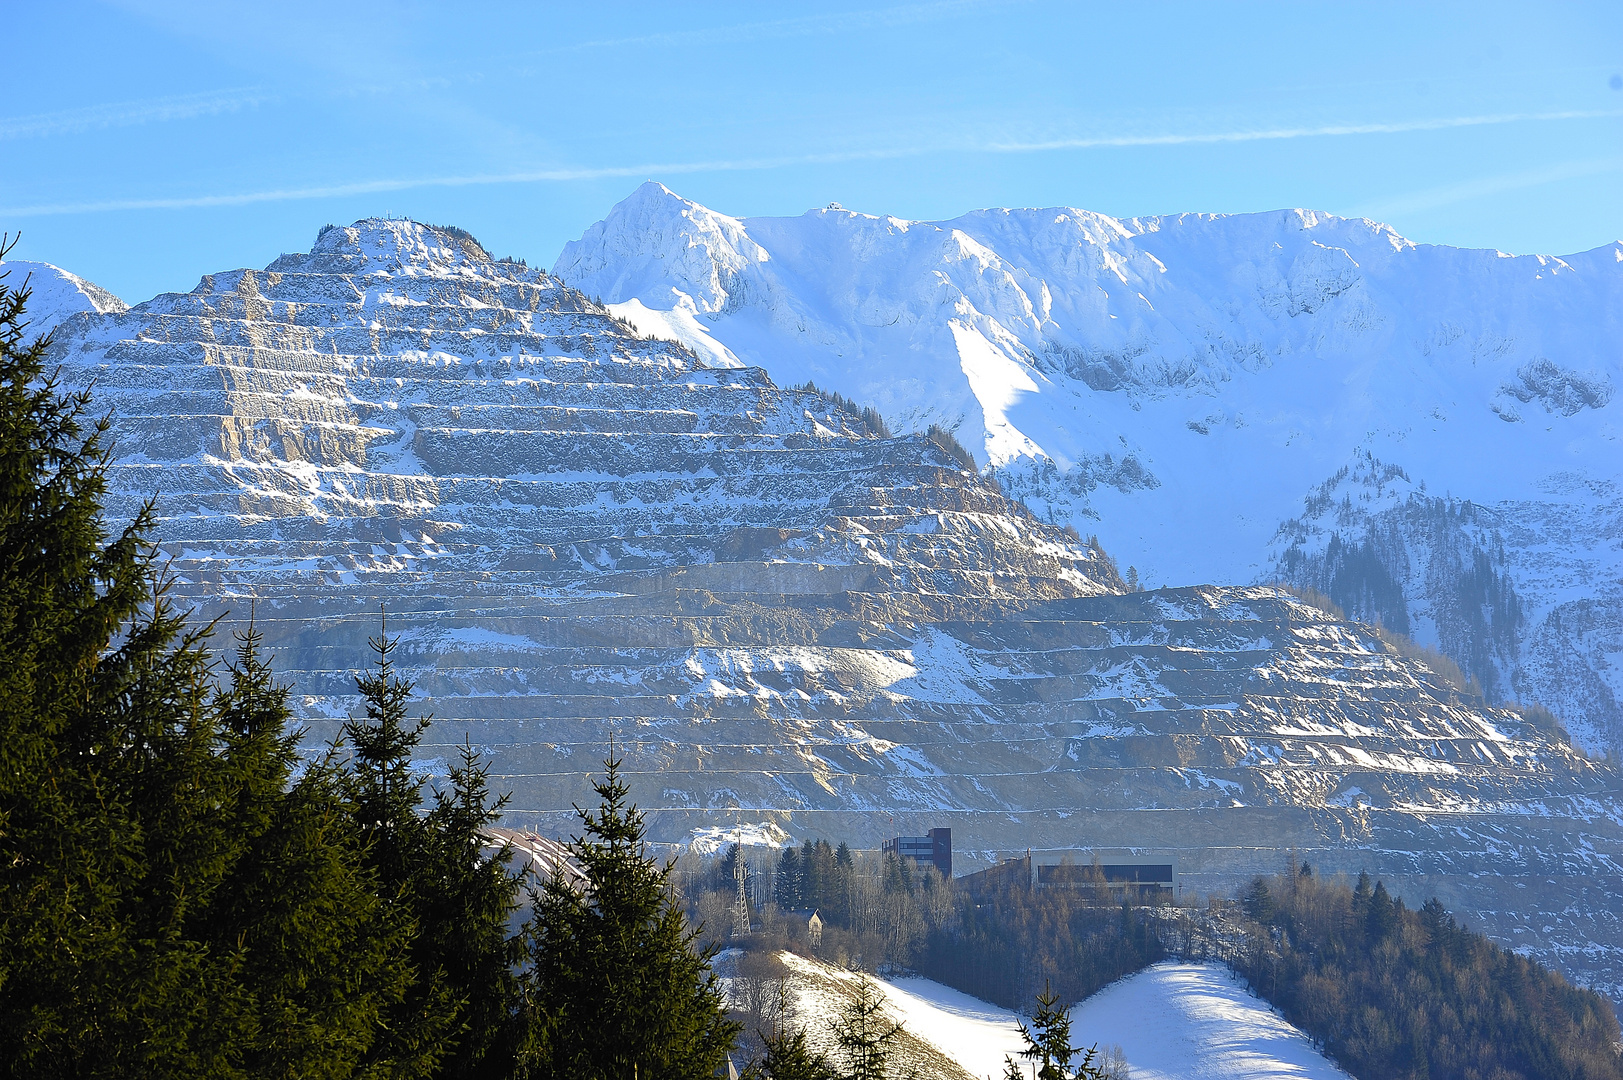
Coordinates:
368 187
128 113
678 168
803 26
1090 142
1449 194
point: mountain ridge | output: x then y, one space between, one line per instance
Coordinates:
1184 385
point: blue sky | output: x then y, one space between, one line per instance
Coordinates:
145 143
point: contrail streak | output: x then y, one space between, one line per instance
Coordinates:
127 113
801 26
1256 135
565 175
367 187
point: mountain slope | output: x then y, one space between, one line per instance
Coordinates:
56 294
1171 1021
1187 386
580 533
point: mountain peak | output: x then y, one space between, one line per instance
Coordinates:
653 202
57 294
653 191
400 242
656 233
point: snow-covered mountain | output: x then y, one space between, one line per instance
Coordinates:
55 294
1232 399
779 613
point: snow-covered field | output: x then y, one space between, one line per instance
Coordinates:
1183 1021
1194 1022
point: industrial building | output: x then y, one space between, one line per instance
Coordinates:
1147 879
934 849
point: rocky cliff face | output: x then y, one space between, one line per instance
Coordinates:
1182 385
582 533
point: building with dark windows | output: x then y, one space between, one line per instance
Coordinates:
1148 879
934 849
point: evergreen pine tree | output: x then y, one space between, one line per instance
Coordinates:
62 596
461 1013
1382 915
789 887
469 913
789 1057
167 906
105 764
385 796
812 875
323 958
1048 1045
615 974
864 1034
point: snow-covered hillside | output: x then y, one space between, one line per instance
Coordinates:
1172 1022
1180 385
56 294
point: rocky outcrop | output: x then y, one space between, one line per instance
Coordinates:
579 534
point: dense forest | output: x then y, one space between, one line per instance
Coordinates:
182 895
1395 993
1013 944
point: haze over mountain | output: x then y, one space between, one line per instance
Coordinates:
785 617
1427 434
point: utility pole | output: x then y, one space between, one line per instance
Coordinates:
741 905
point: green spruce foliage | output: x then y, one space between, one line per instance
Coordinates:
474 899
788 1056
615 971
64 592
865 1034
1016 941
1048 1046
302 904
1390 992
460 1015
814 877
173 902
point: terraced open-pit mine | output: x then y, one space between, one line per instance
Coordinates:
783 617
